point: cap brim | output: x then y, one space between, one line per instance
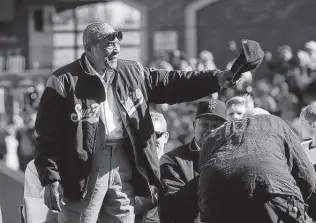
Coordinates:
210 114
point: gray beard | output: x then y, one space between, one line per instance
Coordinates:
111 63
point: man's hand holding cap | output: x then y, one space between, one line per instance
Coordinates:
250 58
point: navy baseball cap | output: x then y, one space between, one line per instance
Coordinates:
211 107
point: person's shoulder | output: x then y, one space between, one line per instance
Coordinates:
68 68
61 79
265 118
30 168
124 62
178 151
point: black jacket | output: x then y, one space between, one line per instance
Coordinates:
68 120
178 201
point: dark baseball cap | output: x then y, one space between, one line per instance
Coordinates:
250 58
211 107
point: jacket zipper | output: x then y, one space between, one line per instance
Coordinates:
85 190
119 105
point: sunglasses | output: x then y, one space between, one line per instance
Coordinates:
118 34
110 37
159 134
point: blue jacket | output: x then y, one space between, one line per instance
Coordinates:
68 120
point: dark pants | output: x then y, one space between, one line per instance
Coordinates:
274 210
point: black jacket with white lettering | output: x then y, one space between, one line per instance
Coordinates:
68 123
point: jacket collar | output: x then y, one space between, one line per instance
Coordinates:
89 86
193 146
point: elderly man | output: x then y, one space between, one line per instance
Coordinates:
254 170
145 209
96 145
179 168
162 135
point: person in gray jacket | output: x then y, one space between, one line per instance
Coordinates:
254 170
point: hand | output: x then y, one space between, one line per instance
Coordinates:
53 196
225 78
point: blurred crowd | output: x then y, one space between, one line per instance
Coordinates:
283 84
19 139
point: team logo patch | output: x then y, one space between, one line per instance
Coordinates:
90 115
134 100
212 104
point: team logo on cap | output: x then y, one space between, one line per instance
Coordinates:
212 104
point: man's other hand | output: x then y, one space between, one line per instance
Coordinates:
53 196
225 78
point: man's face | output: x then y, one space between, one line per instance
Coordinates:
235 112
162 137
105 52
204 125
307 130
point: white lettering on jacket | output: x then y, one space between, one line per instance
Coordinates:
90 115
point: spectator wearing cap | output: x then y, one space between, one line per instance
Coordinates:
179 168
96 147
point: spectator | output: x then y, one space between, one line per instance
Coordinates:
207 59
145 211
236 107
179 168
254 170
26 137
11 157
161 62
263 99
175 59
308 131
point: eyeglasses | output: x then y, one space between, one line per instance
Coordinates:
118 34
159 134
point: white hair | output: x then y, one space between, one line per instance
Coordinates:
158 117
255 111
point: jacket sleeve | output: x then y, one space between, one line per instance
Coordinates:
47 126
302 169
179 86
151 216
311 211
178 196
143 205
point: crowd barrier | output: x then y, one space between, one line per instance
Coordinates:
11 193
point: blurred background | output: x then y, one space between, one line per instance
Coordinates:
38 36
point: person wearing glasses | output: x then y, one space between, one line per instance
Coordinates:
179 171
96 147
162 135
145 209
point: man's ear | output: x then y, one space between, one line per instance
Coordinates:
88 49
166 136
194 124
314 126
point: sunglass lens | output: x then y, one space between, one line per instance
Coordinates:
158 134
119 35
111 37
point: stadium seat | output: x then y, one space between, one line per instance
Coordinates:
35 211
34 208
